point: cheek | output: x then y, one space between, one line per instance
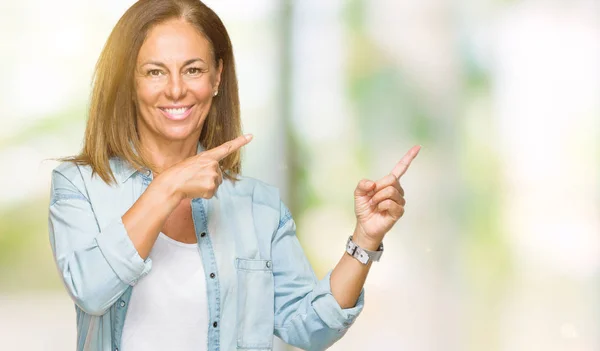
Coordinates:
202 89
148 93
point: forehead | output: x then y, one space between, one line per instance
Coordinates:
174 40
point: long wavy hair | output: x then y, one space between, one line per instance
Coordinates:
111 129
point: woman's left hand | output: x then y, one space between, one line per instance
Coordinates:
379 205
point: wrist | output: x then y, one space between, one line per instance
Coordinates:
362 240
166 191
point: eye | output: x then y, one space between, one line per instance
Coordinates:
154 73
194 71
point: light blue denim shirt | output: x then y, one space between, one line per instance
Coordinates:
263 283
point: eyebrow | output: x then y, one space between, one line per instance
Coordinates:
160 64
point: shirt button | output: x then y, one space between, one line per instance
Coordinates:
268 264
212 275
148 172
203 234
215 324
122 303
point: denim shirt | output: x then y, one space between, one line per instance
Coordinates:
263 284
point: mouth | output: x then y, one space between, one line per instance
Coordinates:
176 113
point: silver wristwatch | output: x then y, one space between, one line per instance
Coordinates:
363 255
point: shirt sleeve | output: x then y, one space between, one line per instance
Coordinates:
306 313
96 264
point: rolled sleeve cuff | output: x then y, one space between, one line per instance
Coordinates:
328 309
121 255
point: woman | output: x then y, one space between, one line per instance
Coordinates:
160 242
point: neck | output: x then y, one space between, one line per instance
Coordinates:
164 154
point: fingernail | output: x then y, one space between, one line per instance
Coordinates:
248 136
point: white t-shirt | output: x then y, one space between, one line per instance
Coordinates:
168 309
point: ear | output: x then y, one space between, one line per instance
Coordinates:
218 75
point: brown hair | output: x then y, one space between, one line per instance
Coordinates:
111 127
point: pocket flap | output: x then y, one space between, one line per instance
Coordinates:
253 264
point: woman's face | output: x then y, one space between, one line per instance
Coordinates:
175 80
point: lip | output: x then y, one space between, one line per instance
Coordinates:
178 117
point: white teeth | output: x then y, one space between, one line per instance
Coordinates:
176 111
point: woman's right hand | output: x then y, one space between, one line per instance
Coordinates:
200 175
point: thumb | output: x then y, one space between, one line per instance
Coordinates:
365 188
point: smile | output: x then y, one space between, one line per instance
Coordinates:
176 113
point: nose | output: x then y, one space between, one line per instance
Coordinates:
176 88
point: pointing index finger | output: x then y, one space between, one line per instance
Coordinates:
220 152
402 166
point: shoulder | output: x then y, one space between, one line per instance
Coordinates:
67 174
268 207
74 171
70 176
265 194
261 193
67 183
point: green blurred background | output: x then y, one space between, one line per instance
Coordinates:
499 248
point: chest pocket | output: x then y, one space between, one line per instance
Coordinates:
255 304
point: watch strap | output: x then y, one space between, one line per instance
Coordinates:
363 255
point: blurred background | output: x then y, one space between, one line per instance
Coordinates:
499 248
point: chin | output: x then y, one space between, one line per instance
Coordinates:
179 134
